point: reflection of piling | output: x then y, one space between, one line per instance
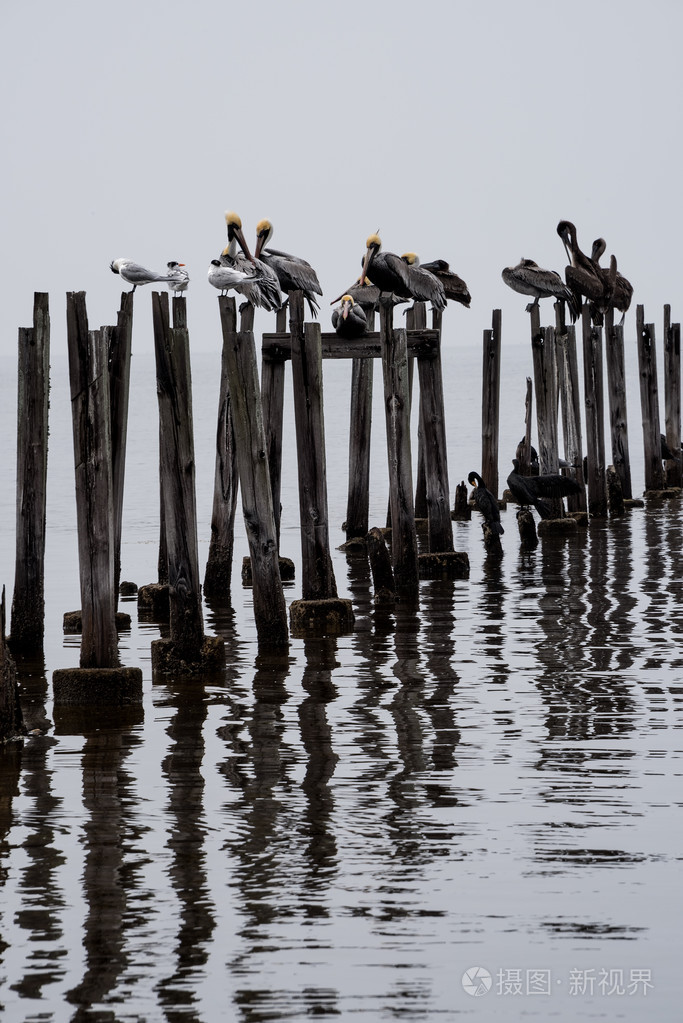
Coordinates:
595 422
28 603
672 397
380 566
252 462
186 649
218 575
649 401
490 407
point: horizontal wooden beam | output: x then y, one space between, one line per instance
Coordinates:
421 343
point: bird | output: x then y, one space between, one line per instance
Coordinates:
135 274
583 273
179 278
529 490
454 287
391 273
485 502
349 320
622 290
293 273
225 277
367 295
528 278
264 292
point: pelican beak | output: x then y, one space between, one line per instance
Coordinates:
346 308
243 244
366 264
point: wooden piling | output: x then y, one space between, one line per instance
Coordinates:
91 420
270 610
358 501
11 722
380 566
672 397
649 402
218 573
523 451
28 602
273 400
416 319
545 385
594 408
397 412
570 404
616 392
490 403
435 452
120 347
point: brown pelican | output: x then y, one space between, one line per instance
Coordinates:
583 273
367 296
293 273
135 274
392 274
225 277
179 279
454 287
622 290
529 490
263 292
349 320
528 278
485 502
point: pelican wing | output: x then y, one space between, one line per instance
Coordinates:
553 485
454 287
301 273
420 283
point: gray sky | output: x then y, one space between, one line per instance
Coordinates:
463 130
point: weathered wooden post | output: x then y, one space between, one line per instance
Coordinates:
273 399
416 319
568 385
120 346
649 401
490 403
672 397
270 611
358 502
187 650
28 602
523 451
218 573
320 607
595 416
397 411
100 679
380 566
545 384
616 392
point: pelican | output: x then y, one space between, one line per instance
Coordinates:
225 277
293 273
485 502
622 290
583 273
349 320
135 274
393 274
264 291
179 279
528 278
367 295
529 490
454 287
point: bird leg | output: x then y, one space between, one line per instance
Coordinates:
533 304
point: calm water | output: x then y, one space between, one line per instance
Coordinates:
492 782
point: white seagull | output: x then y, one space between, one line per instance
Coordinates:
135 274
225 277
179 278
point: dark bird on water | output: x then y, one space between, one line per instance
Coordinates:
454 287
485 502
349 320
620 289
528 278
530 490
293 273
391 273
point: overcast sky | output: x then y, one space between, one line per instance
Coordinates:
462 130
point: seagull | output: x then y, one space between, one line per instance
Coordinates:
225 277
135 274
178 278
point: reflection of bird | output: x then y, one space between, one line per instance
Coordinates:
583 273
349 320
621 291
293 273
485 502
529 490
528 278
393 274
263 292
178 277
225 277
135 274
454 287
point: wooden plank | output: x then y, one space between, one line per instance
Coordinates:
420 342
33 391
568 383
120 346
360 432
416 319
435 454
